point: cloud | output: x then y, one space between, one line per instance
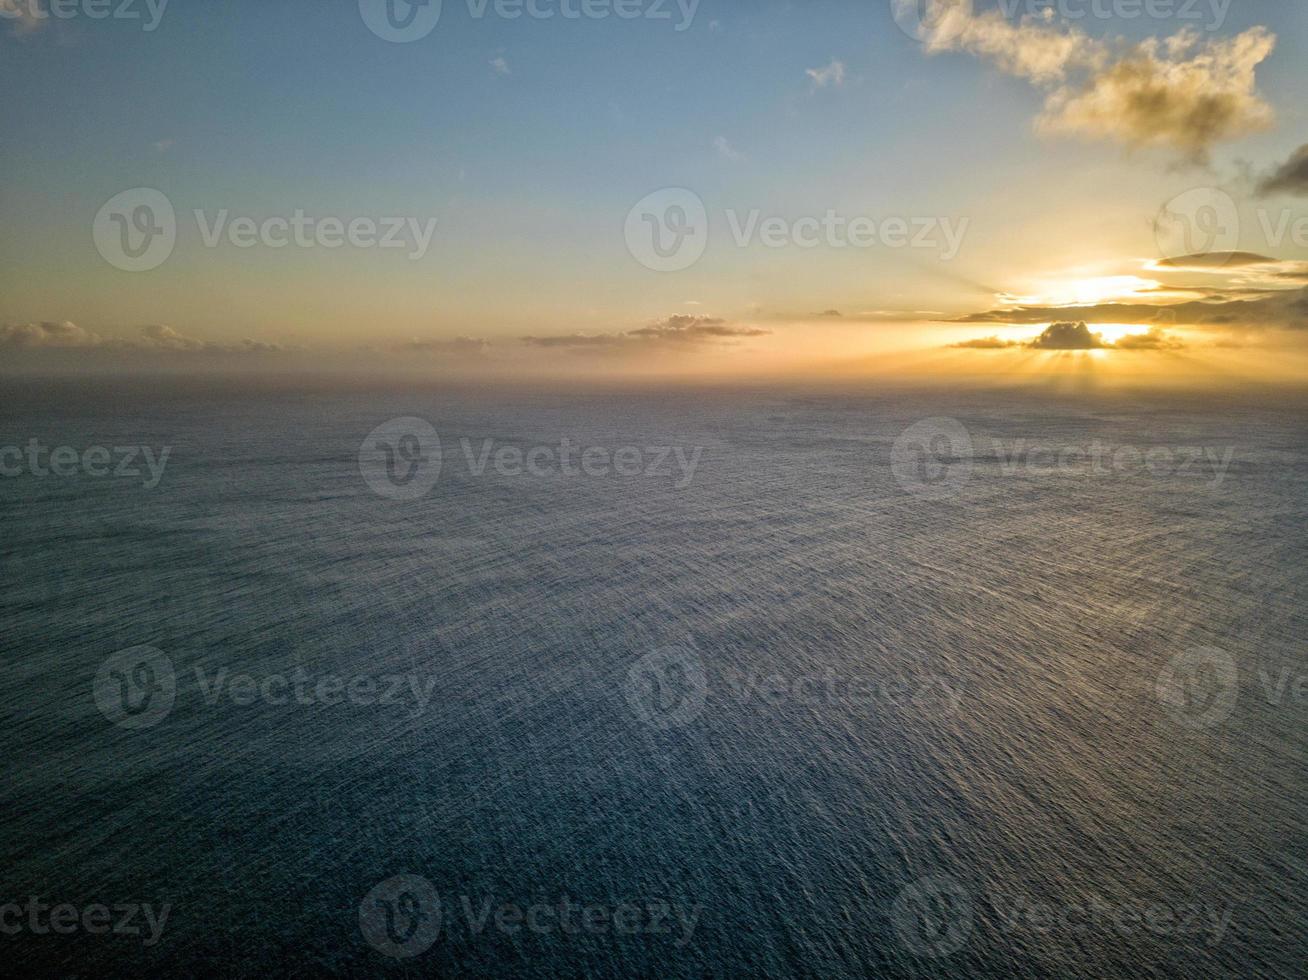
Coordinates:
15 336
1214 260
832 75
987 343
500 65
575 340
680 332
1182 93
726 150
1154 339
1067 336
1290 177
52 335
455 347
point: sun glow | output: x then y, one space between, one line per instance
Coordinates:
1085 292
1113 332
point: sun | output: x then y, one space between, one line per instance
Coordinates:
1113 332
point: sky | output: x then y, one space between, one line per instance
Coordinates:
653 186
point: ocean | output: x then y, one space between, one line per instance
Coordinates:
676 682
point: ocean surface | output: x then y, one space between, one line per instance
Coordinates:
840 702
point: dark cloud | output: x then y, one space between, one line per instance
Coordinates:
1290 177
1215 260
1067 336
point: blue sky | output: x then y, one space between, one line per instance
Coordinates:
529 140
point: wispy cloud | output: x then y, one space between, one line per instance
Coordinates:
725 150
64 335
680 332
455 347
832 75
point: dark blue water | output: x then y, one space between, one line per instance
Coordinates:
800 714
